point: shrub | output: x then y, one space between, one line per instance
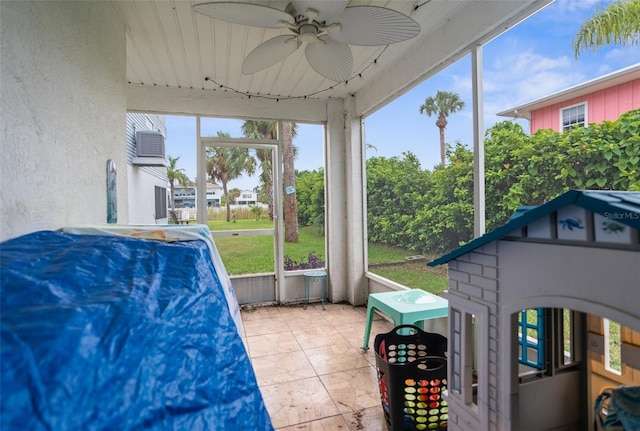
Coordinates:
312 262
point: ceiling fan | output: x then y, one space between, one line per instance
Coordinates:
326 27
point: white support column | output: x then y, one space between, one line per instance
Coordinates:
278 219
355 203
335 199
201 173
478 143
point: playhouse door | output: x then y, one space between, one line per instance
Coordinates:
552 395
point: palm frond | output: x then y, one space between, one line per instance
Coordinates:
618 23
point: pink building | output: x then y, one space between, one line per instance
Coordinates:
603 98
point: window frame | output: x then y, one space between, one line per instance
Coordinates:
585 122
524 345
472 354
607 329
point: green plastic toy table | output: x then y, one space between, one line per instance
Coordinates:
405 307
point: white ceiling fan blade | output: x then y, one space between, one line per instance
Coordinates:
373 26
333 60
325 8
254 15
269 53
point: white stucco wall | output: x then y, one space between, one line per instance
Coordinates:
63 95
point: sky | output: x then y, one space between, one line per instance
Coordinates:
532 60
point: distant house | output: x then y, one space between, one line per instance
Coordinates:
147 176
603 98
185 197
214 194
247 197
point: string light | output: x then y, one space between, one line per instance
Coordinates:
279 97
418 6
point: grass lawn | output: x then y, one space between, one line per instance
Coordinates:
254 254
416 275
239 225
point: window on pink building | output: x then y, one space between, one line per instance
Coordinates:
573 116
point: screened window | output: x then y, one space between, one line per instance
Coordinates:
573 116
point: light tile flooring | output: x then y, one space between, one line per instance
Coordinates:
311 369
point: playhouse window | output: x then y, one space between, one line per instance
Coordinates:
567 327
531 338
456 351
464 357
567 337
612 346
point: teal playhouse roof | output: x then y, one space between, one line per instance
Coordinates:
624 206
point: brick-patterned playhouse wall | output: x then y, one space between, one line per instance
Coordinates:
473 282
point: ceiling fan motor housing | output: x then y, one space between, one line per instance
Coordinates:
308 32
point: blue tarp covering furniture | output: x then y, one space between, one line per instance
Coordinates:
104 332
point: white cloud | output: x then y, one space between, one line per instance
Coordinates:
527 76
624 54
572 6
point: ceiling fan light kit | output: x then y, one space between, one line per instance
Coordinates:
326 27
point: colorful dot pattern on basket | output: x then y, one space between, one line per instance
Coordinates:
412 378
424 404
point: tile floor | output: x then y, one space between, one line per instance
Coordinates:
311 369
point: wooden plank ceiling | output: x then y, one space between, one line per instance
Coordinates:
171 46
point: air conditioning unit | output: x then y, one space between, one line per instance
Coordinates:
149 149
149 144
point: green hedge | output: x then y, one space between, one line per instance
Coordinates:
432 211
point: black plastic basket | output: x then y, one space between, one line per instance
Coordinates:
412 374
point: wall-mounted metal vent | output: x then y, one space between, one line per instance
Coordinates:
149 144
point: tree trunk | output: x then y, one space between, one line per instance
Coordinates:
290 201
226 198
442 124
268 185
172 211
172 188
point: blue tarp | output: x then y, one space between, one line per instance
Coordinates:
116 333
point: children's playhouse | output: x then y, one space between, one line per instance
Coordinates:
544 313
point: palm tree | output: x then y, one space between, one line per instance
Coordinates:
175 174
234 194
260 129
225 164
263 130
618 23
256 210
444 104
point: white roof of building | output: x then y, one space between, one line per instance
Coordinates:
605 81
